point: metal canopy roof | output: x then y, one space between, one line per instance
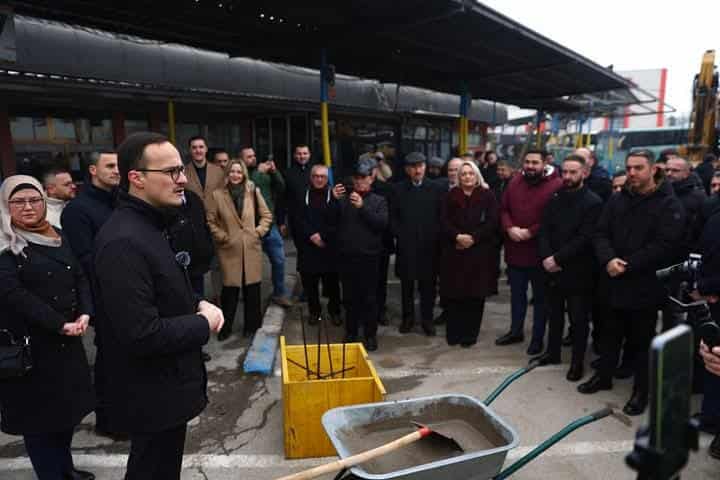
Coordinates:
434 44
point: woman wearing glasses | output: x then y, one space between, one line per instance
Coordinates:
238 219
43 295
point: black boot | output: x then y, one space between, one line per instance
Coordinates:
576 372
79 475
509 338
429 328
637 403
546 359
595 384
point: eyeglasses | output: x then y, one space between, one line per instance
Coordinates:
20 203
173 172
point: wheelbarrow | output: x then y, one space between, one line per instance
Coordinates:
485 438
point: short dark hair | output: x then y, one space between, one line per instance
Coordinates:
197 137
131 153
535 151
241 148
665 154
52 172
645 153
574 157
94 157
710 157
620 173
301 145
215 151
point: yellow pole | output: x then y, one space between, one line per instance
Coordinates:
171 121
325 129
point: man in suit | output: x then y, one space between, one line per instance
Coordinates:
415 212
202 176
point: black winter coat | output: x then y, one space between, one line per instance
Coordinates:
709 247
692 196
320 219
566 232
189 232
147 323
386 191
415 222
82 219
645 231
289 208
705 171
38 294
360 230
599 183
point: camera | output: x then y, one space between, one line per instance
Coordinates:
686 274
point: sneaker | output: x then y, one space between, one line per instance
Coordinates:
284 302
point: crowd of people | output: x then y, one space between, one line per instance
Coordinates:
130 254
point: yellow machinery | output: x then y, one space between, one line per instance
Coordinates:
703 134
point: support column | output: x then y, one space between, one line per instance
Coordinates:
8 165
538 135
324 120
171 121
118 128
463 125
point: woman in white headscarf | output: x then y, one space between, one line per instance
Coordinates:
44 296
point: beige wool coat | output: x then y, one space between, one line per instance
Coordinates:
238 240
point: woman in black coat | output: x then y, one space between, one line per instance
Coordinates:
470 218
43 295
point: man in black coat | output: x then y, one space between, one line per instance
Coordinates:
706 169
415 222
152 326
81 221
317 245
598 179
565 245
638 233
297 181
362 219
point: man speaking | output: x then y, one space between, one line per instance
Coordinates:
151 324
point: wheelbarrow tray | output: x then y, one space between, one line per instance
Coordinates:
487 438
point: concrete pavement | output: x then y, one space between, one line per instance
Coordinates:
240 435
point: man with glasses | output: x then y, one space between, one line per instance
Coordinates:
152 324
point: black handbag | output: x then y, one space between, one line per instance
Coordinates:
15 356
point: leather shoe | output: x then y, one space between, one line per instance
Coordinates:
535 348
575 373
545 359
568 340
79 475
594 385
371 344
714 449
406 326
429 329
636 405
509 339
467 344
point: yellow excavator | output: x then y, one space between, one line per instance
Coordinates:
704 126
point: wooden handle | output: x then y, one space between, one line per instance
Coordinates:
348 462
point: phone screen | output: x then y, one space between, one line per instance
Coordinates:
671 363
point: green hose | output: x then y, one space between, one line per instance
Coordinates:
537 451
495 393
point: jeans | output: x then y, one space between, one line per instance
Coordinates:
520 277
274 248
50 454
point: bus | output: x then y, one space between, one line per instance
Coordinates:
613 145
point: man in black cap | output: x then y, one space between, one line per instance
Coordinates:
414 220
362 219
434 168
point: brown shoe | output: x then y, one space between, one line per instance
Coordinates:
283 302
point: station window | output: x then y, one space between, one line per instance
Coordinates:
134 126
64 129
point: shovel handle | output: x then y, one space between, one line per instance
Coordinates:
348 462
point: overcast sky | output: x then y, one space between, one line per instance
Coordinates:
629 34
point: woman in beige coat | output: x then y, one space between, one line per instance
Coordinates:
238 218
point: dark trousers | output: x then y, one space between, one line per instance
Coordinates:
427 289
638 326
50 454
251 307
600 313
384 264
157 455
463 319
198 284
331 288
99 379
358 276
520 277
577 307
711 397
